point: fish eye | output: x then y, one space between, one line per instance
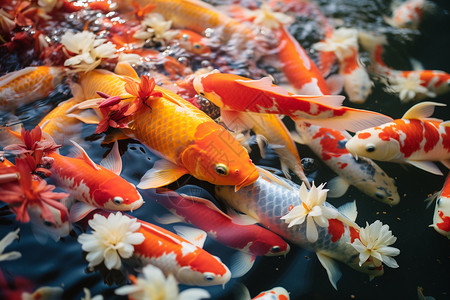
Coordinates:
221 169
209 277
371 268
202 94
197 46
276 249
118 200
370 147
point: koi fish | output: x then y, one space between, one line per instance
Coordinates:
268 202
252 240
187 139
234 94
277 293
103 5
97 185
185 259
408 14
363 173
193 42
27 85
441 217
413 139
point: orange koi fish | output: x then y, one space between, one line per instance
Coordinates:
97 185
413 139
189 141
193 42
27 85
186 260
441 217
234 94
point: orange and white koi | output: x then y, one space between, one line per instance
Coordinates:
408 15
234 94
193 42
251 239
277 293
415 139
27 85
363 173
97 185
185 259
441 217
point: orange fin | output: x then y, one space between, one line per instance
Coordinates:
263 84
163 173
125 69
81 153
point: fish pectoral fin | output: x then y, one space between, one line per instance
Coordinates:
337 187
240 219
81 154
236 120
335 84
193 235
113 161
80 210
124 69
241 263
168 219
349 210
426 166
333 272
163 173
422 110
85 116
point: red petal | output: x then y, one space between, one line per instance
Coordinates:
102 126
132 88
110 101
103 95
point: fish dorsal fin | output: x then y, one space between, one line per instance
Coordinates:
241 263
80 210
124 69
426 166
193 235
154 229
422 110
349 210
207 203
113 161
333 272
81 154
241 219
6 79
264 84
163 173
334 101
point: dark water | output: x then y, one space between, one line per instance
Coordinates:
425 255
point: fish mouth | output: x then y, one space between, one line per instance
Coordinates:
138 203
252 177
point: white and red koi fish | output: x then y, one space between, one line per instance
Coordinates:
185 259
441 218
277 293
203 214
27 85
408 15
268 202
363 173
97 185
415 139
234 94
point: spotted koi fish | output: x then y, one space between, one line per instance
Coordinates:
414 139
277 293
27 85
234 94
185 260
95 184
408 14
363 173
268 202
441 217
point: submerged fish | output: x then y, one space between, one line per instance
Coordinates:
415 139
441 217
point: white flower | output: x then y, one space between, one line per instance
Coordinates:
112 238
154 285
87 296
341 43
311 209
5 242
266 17
156 28
409 87
373 242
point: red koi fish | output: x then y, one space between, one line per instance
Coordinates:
415 139
27 85
186 260
252 240
234 94
98 185
441 217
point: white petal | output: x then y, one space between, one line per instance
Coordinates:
311 230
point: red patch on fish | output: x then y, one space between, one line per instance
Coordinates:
329 140
445 224
446 138
364 135
335 229
354 234
350 63
414 133
431 136
342 166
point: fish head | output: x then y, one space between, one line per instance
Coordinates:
368 143
367 267
441 217
217 157
202 85
204 270
118 194
270 245
193 42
